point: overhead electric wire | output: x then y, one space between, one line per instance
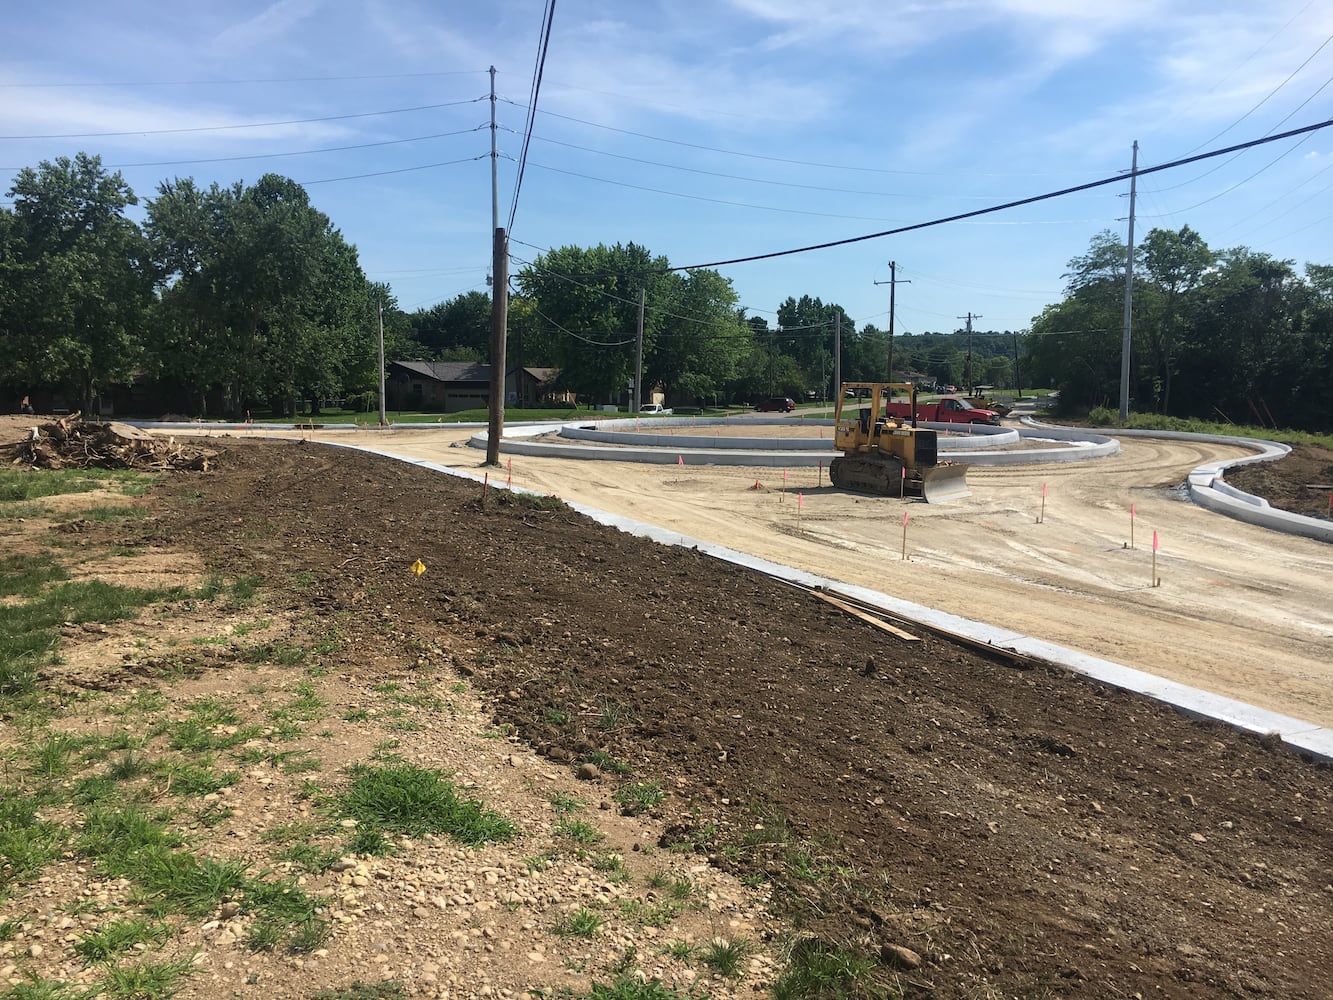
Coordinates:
400 170
571 333
1272 92
228 83
226 128
760 156
1117 179
544 41
705 198
293 152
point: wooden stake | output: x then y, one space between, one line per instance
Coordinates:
904 534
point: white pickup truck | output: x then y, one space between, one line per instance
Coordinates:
655 408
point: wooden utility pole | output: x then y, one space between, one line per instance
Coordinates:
968 374
637 400
892 283
383 421
499 319
499 308
1129 291
837 354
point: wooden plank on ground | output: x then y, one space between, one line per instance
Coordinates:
870 619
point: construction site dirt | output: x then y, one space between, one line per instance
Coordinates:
1025 832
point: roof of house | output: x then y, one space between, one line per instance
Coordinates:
468 371
448 371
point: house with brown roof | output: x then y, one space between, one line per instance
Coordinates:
451 386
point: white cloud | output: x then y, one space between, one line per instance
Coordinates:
272 23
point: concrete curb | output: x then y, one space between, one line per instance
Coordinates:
1305 737
638 446
1209 489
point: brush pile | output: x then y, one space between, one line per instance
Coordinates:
74 443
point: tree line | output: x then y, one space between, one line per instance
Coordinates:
228 299
1229 335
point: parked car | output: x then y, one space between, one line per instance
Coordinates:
657 408
775 404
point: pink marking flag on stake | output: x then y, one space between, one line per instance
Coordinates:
680 459
1155 582
904 534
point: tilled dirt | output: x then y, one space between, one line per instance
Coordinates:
1026 832
1302 482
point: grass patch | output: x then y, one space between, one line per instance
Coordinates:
27 843
405 799
578 831
580 923
638 796
29 632
144 980
816 970
106 514
120 936
25 484
28 575
724 956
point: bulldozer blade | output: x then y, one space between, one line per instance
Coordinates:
944 483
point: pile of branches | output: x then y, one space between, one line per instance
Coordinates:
74 443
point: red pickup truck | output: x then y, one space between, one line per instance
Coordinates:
946 411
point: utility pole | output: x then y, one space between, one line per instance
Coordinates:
968 375
637 399
383 421
1129 291
837 354
892 283
495 183
499 307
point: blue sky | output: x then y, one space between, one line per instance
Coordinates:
711 129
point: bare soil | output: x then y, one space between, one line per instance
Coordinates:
1025 832
1302 482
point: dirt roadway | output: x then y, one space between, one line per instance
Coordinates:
1240 611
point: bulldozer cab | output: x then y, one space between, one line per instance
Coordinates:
860 417
885 454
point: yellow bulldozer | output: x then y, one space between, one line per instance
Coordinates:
889 455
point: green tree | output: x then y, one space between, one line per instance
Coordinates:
462 324
586 301
262 296
76 277
1175 263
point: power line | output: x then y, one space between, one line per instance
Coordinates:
571 333
225 128
294 152
1117 179
228 83
705 198
400 170
544 41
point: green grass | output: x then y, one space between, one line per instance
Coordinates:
105 514
1105 417
24 484
816 971
405 799
29 632
724 956
144 980
580 923
120 936
27 843
638 796
28 575
633 988
578 831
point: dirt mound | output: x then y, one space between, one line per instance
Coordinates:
72 442
1024 832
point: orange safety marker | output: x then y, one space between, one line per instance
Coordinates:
509 479
800 502
485 485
